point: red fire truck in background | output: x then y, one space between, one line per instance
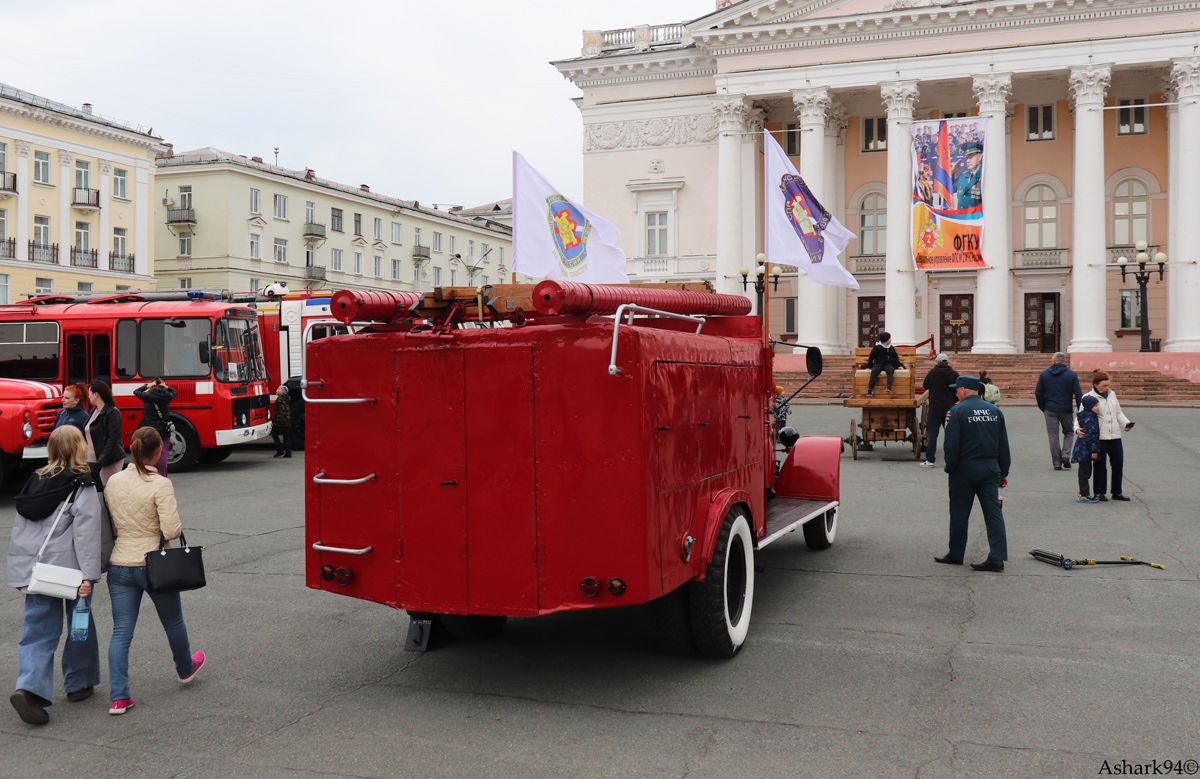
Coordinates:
518 451
204 346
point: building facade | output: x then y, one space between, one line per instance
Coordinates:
1096 106
233 222
75 193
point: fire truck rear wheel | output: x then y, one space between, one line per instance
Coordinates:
185 446
720 605
820 532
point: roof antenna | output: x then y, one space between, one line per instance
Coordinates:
277 156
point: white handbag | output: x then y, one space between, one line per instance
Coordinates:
55 580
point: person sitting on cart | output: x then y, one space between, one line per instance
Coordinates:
883 359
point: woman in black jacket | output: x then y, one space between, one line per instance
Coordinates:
156 400
103 433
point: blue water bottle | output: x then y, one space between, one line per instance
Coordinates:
79 620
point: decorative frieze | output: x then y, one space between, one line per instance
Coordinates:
812 106
899 97
105 166
641 133
65 157
1088 84
22 148
1185 76
992 91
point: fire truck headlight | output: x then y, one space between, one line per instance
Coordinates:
590 587
27 430
616 587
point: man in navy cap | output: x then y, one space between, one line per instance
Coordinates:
968 189
977 459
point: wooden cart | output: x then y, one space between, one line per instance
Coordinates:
898 416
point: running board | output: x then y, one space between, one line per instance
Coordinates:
786 514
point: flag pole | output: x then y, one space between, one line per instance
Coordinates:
766 307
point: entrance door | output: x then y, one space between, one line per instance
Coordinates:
957 323
89 357
1042 324
870 320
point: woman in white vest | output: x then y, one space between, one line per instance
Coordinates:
1112 423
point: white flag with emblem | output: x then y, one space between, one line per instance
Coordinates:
555 238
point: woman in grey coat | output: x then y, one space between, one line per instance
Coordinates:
76 543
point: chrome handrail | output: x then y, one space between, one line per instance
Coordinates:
318 546
305 383
318 480
631 309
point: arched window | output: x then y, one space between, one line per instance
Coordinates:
1041 218
1131 213
872 225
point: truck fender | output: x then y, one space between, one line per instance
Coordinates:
706 541
812 470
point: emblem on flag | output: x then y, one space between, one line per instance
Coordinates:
807 217
569 229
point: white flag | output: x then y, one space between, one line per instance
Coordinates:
799 230
554 238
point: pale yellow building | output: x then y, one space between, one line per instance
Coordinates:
233 222
75 191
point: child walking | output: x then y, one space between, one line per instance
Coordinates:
1086 448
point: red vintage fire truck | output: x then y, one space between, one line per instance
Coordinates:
204 346
518 451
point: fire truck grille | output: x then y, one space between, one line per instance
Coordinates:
45 417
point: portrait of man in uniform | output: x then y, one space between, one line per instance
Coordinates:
968 192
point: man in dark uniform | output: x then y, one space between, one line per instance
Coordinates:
977 459
968 189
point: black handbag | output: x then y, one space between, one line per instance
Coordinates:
174 570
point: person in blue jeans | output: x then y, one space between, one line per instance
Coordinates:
142 506
74 542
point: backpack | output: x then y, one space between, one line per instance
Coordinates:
991 393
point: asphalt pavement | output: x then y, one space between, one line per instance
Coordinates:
865 660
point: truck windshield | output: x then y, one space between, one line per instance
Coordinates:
172 347
29 350
237 353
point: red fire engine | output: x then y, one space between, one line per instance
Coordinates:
206 348
517 451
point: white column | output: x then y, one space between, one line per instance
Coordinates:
751 185
1089 253
835 297
23 197
812 302
900 286
103 241
1171 95
731 113
66 187
143 226
1184 251
993 292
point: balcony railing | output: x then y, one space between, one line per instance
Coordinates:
314 272
181 216
121 263
85 199
314 230
868 263
420 252
84 258
639 38
1130 252
43 252
1041 258
656 265
8 248
8 183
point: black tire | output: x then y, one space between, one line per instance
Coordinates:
669 623
185 446
216 454
720 605
297 423
820 532
473 625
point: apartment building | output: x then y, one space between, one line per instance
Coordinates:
239 223
75 192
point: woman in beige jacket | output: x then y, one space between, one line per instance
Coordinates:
142 506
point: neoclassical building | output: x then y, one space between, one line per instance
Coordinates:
1092 114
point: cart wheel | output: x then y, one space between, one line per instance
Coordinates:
853 440
819 532
669 621
720 605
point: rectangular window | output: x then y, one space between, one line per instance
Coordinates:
3 289
310 212
485 280
3 157
437 277
397 233
185 197
254 201
378 267
1131 309
29 350
83 286
358 263
395 270
437 242
280 250
120 183
120 241
281 206
123 288
335 259
335 219
1131 117
471 249
453 277
255 284
953 114
43 286
3 224
358 224
875 134
452 244
41 167
255 246
417 236
185 282
656 234
483 251
378 229
1040 123
83 237
310 255
416 274
83 175
185 244
168 350
791 136
789 315
41 230
501 257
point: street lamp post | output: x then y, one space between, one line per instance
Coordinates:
760 279
1142 274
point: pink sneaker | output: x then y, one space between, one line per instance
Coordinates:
197 664
120 707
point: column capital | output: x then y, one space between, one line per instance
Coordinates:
1088 83
23 148
65 157
105 166
992 91
899 97
756 120
838 120
1185 77
731 111
812 105
1170 93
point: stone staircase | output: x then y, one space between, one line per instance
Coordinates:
1015 374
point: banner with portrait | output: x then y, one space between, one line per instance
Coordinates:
947 204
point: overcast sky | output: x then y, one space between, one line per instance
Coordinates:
419 100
